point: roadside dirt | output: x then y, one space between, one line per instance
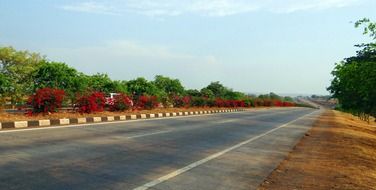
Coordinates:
339 152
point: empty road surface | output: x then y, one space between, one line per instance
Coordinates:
219 151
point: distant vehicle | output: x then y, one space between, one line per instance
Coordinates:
110 98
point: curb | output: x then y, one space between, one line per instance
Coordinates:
84 120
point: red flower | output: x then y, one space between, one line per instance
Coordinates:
121 102
147 102
46 100
93 102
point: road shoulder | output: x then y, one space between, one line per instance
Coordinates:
337 153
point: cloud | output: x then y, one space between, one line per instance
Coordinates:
129 59
214 8
221 7
290 6
91 7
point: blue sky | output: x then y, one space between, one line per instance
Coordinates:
283 46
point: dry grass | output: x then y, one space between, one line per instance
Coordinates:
337 153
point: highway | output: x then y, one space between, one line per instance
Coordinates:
218 151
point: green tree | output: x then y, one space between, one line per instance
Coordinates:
61 76
141 86
193 92
218 89
264 96
19 66
233 95
102 83
4 88
170 86
274 96
355 77
288 99
369 27
205 92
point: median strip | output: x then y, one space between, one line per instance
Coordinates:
84 120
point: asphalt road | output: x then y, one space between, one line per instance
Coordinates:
220 151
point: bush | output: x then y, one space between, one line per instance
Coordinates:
198 102
288 104
121 102
239 103
90 103
218 102
249 103
179 101
147 102
278 103
268 103
209 102
258 102
46 100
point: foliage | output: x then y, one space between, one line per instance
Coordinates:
354 79
172 87
147 102
181 101
121 102
233 95
102 83
61 76
198 101
205 92
5 85
271 95
288 104
141 86
22 73
258 102
217 88
19 66
46 100
248 102
193 92
370 27
288 99
90 103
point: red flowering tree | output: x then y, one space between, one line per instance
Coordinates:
181 101
93 102
121 102
219 102
288 104
277 103
46 100
268 102
147 102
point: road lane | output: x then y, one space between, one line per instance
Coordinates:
127 155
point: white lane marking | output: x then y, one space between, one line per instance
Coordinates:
116 122
211 157
148 134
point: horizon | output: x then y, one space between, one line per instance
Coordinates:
249 46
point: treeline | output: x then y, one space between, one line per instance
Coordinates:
354 83
24 74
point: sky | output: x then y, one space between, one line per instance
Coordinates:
253 46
